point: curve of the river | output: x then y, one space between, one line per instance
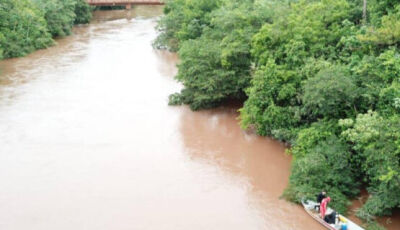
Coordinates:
88 141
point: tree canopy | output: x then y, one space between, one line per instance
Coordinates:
28 25
22 28
312 73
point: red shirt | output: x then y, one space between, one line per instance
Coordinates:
324 206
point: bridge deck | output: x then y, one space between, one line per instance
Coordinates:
124 2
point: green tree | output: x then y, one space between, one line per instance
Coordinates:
386 32
272 104
332 93
311 71
28 25
379 8
2 39
183 20
83 12
59 14
322 161
307 29
389 100
22 28
376 140
216 66
288 51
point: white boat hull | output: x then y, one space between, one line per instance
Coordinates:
309 207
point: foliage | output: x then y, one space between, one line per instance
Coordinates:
83 12
379 8
272 103
372 225
28 25
322 162
377 141
183 20
332 93
216 65
312 73
388 31
389 99
2 39
311 29
59 14
207 76
22 28
289 51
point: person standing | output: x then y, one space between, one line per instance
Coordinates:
320 197
324 206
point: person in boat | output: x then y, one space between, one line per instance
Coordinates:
324 206
320 197
330 218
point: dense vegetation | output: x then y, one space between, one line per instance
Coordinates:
321 75
28 25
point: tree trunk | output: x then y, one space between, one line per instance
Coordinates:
365 12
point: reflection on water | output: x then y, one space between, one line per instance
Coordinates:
87 141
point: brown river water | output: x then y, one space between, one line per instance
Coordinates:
88 142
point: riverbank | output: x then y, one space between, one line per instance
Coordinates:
29 25
316 75
88 140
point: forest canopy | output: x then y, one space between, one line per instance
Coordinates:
323 76
28 25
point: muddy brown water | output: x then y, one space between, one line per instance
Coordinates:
88 141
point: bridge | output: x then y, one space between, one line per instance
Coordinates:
126 3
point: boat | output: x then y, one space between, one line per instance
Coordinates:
341 222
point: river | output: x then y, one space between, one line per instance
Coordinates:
88 142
